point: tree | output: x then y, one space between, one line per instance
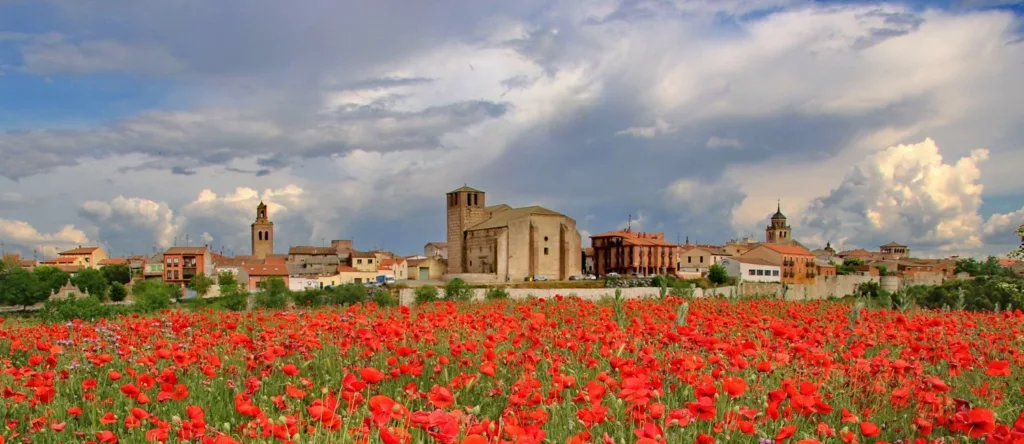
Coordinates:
425 294
92 282
117 273
153 295
118 292
718 275
458 290
200 284
228 284
20 287
273 293
1019 252
51 278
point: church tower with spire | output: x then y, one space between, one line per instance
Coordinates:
778 231
262 233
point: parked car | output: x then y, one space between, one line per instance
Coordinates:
540 277
612 275
590 277
577 277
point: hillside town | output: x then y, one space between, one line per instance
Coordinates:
499 243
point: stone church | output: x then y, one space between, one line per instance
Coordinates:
501 243
262 233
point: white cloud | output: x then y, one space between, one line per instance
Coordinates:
21 236
52 54
722 142
906 193
126 214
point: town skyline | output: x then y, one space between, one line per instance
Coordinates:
870 122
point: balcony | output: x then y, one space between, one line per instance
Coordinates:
188 272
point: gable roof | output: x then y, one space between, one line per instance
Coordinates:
114 261
752 261
436 244
503 218
78 251
465 188
59 261
715 251
186 250
636 239
265 270
791 250
893 244
860 252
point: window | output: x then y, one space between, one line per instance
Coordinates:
169 275
545 251
689 259
359 261
470 263
175 274
775 272
760 272
545 238
369 261
175 261
750 272
702 259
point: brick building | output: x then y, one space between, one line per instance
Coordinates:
262 233
797 263
182 263
627 252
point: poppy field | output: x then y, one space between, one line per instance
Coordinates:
560 370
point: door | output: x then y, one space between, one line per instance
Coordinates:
424 273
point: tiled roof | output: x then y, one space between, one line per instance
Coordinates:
860 252
635 239
893 244
186 250
265 270
28 263
464 189
346 269
303 249
503 218
362 254
227 261
791 250
437 244
70 268
59 261
79 251
752 261
114 261
715 251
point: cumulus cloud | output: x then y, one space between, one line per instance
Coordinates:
123 217
909 194
21 236
660 127
722 142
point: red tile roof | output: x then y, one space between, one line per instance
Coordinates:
790 250
318 251
59 261
80 251
635 239
346 269
265 270
860 252
114 261
186 250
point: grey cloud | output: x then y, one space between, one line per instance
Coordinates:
182 171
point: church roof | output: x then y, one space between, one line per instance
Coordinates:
893 244
503 218
778 213
465 189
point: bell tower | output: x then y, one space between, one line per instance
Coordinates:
778 231
262 233
465 208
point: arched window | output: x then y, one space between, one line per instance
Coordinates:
259 235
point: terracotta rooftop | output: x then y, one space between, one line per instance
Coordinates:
715 251
346 269
893 244
59 261
114 261
265 270
437 244
362 254
187 250
464 189
79 251
791 250
752 261
860 252
636 239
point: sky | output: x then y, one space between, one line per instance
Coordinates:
141 125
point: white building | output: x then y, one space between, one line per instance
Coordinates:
302 283
752 269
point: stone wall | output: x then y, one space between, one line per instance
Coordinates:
823 287
474 278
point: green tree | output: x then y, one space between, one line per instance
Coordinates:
51 278
458 290
153 295
496 293
117 292
1019 252
20 287
200 284
228 284
425 294
273 293
117 273
92 282
348 294
718 275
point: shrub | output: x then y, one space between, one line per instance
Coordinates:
457 290
273 293
88 308
153 295
235 301
384 298
425 294
347 294
308 298
117 292
496 293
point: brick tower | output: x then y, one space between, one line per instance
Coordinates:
262 233
465 209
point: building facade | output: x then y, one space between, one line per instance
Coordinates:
87 257
262 233
182 263
511 243
892 250
630 253
797 264
436 249
251 275
752 269
425 269
700 259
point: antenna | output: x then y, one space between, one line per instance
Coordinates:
629 226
